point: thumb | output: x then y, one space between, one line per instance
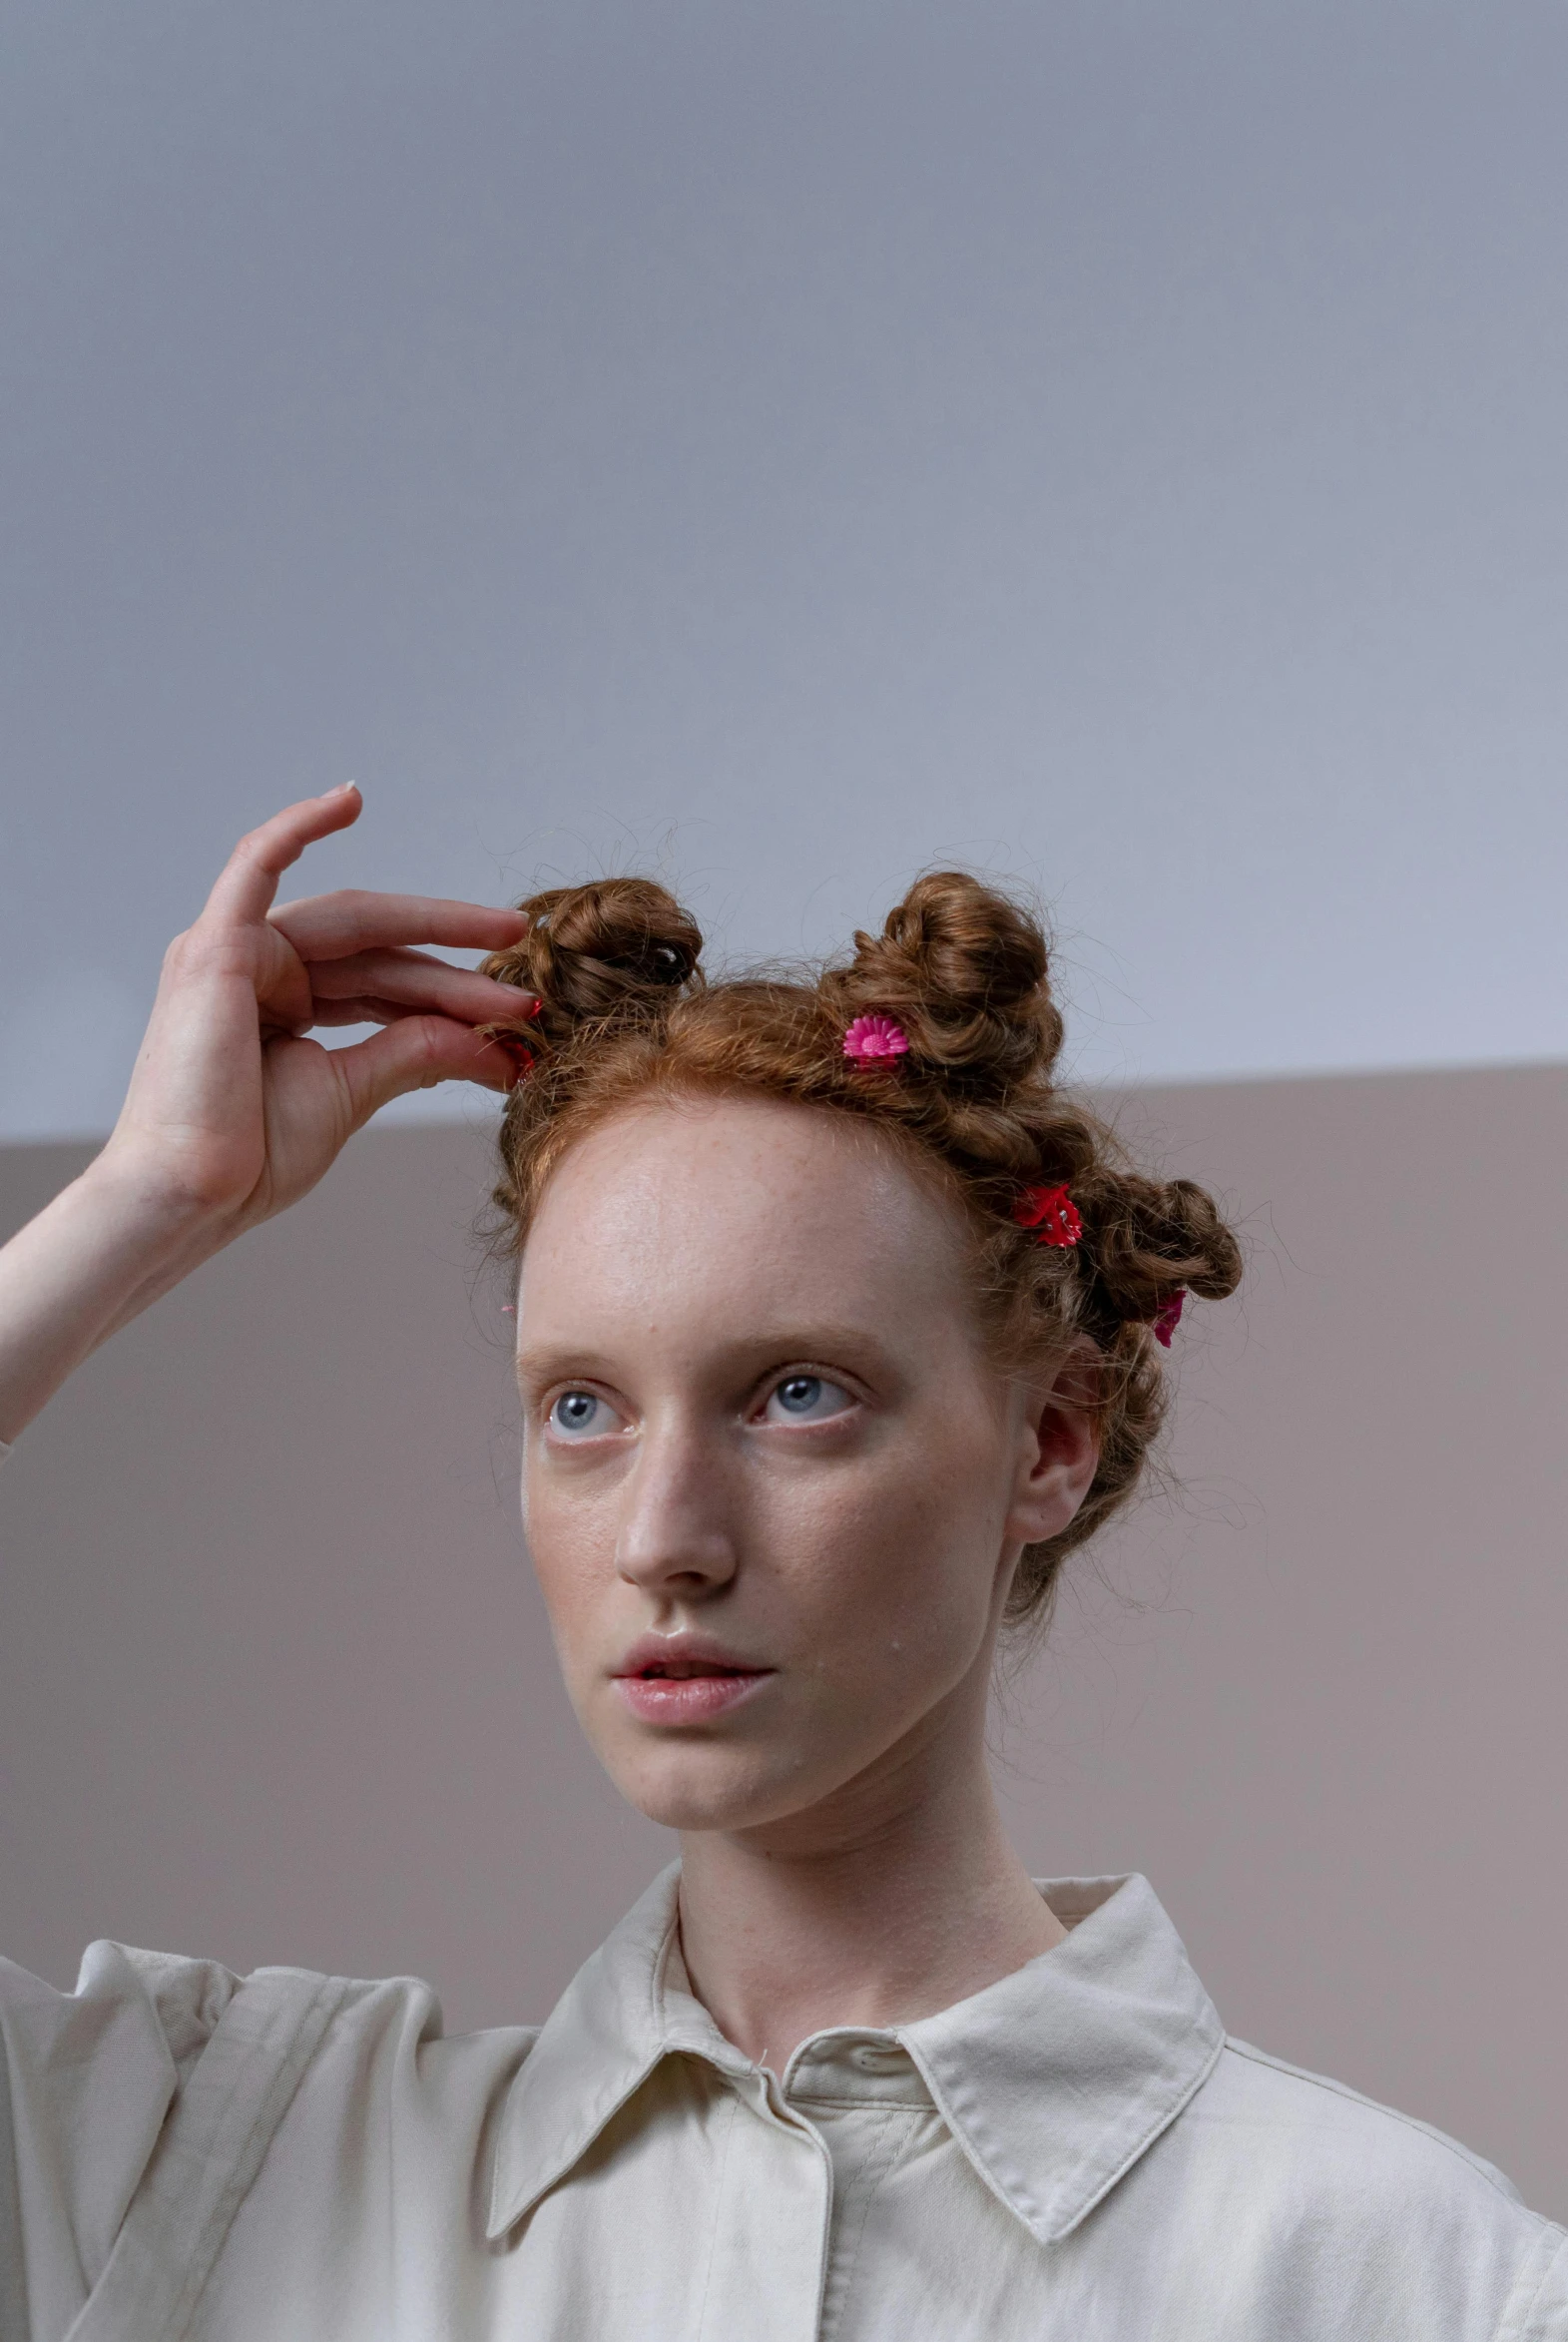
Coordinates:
414 1055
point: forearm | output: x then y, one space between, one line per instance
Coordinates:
92 1260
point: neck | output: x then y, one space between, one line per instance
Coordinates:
894 1898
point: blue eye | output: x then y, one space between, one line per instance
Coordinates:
805 1398
575 1413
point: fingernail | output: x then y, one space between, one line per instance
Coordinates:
345 786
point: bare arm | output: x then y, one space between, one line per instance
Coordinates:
233 1114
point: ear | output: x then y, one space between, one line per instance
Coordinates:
1059 1447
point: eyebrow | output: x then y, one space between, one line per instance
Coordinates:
546 1363
770 1346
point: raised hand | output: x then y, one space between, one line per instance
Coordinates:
232 1110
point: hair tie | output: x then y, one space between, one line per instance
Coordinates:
1051 1213
875 1037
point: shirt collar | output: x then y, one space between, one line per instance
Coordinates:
1052 2081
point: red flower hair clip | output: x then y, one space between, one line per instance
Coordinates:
875 1037
521 1048
1168 1317
1051 1213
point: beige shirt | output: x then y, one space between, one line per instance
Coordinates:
1076 2154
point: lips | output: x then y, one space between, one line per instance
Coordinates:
684 1679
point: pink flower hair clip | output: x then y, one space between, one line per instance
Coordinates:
1051 1213
871 1037
1168 1317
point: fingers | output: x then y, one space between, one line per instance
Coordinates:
415 1054
357 1010
408 980
249 879
329 927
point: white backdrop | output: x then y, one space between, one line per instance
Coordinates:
1119 443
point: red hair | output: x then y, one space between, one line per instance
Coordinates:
627 1013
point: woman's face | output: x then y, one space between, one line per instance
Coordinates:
773 1487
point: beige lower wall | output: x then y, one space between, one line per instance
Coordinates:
274 1683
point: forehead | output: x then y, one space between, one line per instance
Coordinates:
712 1210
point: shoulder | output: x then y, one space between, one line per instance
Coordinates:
86 2080
1317 2121
140 2015
1401 2228
150 2015
159 2009
88 2077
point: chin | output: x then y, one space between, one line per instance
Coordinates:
694 1788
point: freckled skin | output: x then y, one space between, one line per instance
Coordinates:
685 1256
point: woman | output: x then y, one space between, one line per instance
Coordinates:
838 1327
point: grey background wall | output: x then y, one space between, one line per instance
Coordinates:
1118 442
274 1682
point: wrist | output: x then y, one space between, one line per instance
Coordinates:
94 1258
144 1207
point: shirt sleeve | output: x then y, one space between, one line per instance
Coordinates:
86 2078
1539 2313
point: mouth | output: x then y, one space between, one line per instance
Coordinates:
661 1686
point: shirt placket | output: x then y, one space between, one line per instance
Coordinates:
863 2100
770 2254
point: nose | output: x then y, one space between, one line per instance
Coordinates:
676 1538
